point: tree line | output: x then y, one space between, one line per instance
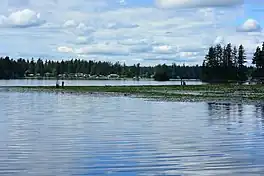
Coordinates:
21 68
228 64
221 64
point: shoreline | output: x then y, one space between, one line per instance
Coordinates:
191 93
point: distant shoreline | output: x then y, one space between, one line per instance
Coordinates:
99 79
189 93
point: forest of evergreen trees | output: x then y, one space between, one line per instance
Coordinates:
228 64
225 64
221 64
20 68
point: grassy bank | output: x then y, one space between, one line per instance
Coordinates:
220 92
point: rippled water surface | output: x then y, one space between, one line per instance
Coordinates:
44 134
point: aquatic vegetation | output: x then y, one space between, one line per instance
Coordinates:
214 92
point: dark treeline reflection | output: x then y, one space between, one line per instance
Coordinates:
226 112
219 109
260 112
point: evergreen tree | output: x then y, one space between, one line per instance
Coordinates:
224 58
161 73
257 58
219 54
124 73
258 61
32 66
229 60
210 65
174 76
241 61
138 70
234 57
40 67
210 58
57 69
262 56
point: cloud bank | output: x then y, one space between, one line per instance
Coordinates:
160 31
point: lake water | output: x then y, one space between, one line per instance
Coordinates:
32 82
47 134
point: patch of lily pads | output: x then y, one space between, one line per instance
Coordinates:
236 93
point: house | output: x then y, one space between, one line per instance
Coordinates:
113 76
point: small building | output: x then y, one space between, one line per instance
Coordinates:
113 76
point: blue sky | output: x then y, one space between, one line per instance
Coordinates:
131 31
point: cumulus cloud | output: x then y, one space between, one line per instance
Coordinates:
188 54
65 49
103 29
250 25
102 49
196 3
164 49
84 29
133 41
187 40
22 19
81 40
121 25
78 28
70 24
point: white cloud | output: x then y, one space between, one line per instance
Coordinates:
164 49
196 3
83 40
22 19
102 49
83 29
168 36
70 24
103 30
65 49
121 25
250 25
188 54
75 28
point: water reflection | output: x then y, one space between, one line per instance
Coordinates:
240 110
220 110
260 113
235 113
70 134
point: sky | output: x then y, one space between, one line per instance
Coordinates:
149 32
